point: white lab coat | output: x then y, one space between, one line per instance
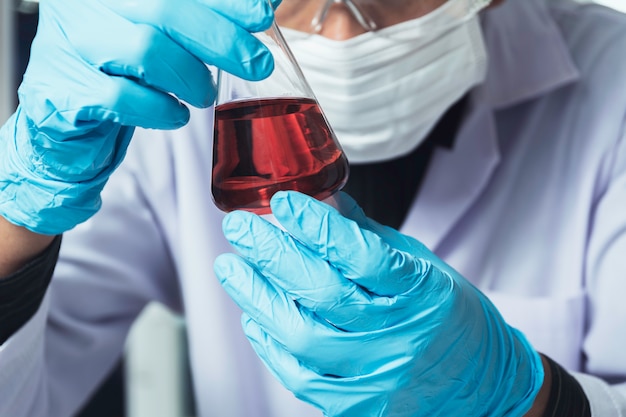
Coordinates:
530 205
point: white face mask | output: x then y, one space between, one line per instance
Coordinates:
383 92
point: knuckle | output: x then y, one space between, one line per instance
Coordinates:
144 47
113 91
300 344
297 383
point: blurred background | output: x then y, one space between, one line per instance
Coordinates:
152 379
616 4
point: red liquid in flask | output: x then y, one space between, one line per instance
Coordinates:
263 146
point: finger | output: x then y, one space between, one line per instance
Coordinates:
90 95
288 370
145 54
361 255
323 351
304 275
97 97
314 342
269 307
308 278
296 269
255 295
217 32
327 392
118 103
252 15
349 208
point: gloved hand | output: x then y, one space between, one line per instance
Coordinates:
360 320
98 68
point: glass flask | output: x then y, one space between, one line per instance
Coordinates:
271 135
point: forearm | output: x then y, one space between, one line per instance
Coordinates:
18 246
22 291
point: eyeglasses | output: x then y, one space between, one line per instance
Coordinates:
310 15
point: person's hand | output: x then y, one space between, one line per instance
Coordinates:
98 68
360 320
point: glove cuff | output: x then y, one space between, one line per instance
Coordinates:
526 370
43 202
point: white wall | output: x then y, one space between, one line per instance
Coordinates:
7 60
616 4
158 383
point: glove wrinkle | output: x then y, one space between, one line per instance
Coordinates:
430 346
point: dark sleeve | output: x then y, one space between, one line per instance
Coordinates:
567 397
21 293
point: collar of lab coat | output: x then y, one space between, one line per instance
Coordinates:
528 58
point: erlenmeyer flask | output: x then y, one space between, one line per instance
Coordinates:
271 135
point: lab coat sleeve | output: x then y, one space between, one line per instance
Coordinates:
605 400
22 369
109 268
605 343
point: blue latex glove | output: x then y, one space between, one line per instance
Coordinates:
99 68
360 320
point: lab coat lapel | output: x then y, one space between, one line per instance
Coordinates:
528 58
455 178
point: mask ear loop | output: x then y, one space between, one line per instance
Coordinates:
359 14
316 23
